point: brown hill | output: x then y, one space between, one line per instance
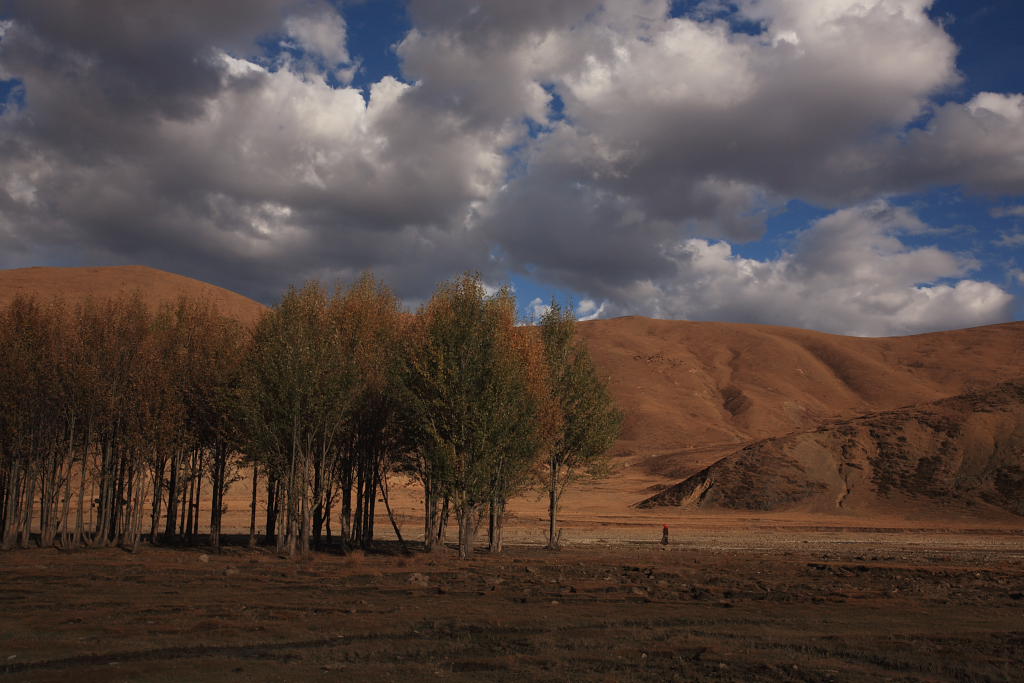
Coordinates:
693 392
957 455
156 287
696 391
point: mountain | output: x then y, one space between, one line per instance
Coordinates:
732 415
959 454
694 392
156 287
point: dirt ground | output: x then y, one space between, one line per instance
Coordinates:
733 599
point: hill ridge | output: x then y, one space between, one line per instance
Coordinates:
156 286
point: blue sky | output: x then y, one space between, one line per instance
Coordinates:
854 166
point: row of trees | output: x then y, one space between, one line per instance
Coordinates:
115 419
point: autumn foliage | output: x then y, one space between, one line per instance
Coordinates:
122 424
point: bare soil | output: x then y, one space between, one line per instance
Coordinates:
736 600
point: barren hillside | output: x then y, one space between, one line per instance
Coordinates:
959 454
156 287
696 391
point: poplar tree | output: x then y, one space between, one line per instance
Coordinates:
589 421
469 381
369 322
293 399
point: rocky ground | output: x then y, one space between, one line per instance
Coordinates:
787 605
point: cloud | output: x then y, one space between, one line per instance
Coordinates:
1007 212
978 144
538 309
588 309
1010 239
849 273
321 33
611 148
254 165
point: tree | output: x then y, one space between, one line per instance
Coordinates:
468 376
369 323
589 419
293 400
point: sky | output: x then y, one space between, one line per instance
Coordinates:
850 166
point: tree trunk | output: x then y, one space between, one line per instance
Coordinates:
158 499
26 533
496 524
137 511
215 511
328 508
172 497
187 501
273 502
442 525
318 508
304 521
346 503
80 514
11 508
65 539
391 515
218 484
357 515
194 531
430 514
467 515
553 510
371 506
252 506
106 485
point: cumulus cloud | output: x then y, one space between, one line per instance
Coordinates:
538 309
254 164
849 273
588 309
609 147
693 123
319 34
978 144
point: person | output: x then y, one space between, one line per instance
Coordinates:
664 534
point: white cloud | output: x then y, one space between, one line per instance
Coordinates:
673 132
1007 212
979 144
321 33
538 309
1010 239
588 309
849 273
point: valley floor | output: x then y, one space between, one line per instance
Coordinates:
772 601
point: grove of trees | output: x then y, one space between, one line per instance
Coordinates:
122 423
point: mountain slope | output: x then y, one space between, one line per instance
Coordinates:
695 391
959 454
156 287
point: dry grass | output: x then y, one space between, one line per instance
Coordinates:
799 610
